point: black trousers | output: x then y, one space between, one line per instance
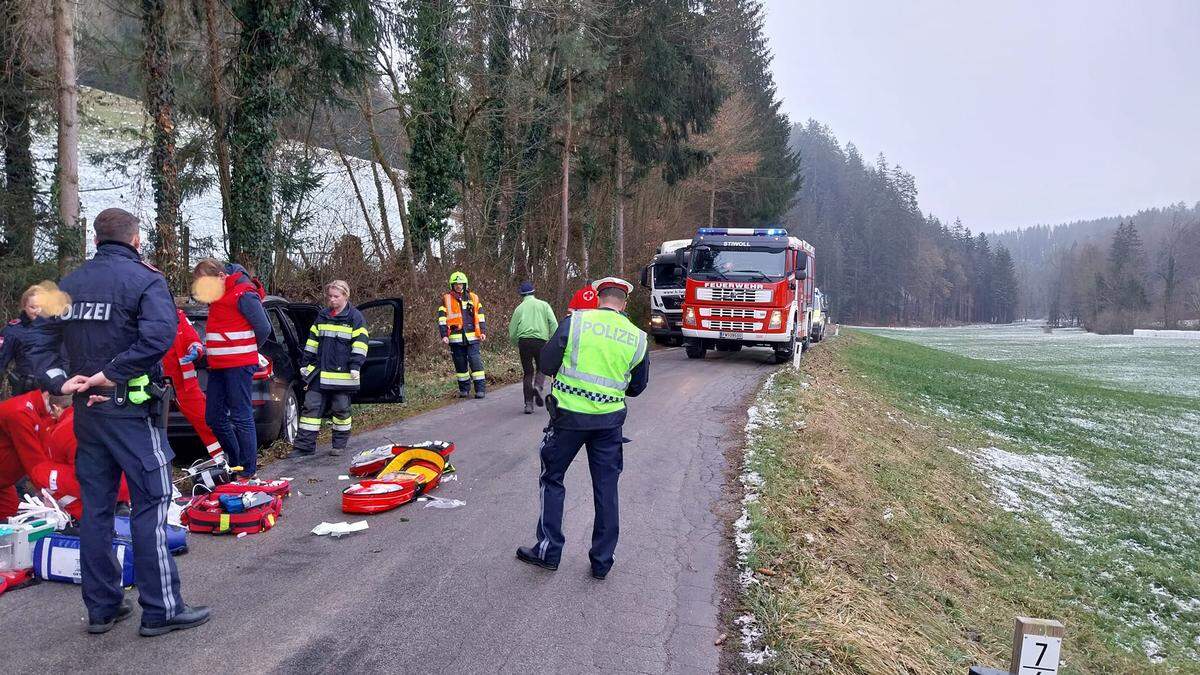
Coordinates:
531 367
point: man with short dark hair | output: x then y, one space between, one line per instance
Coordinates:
597 357
116 329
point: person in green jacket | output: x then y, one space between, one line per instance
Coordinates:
531 325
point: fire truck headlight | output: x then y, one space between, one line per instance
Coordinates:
776 320
689 315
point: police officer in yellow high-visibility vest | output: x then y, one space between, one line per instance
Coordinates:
597 357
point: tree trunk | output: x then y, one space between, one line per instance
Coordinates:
20 177
362 204
394 179
164 174
565 231
1169 294
220 140
712 204
384 224
71 237
620 224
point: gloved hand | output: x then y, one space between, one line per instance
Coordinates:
306 371
354 374
262 361
193 353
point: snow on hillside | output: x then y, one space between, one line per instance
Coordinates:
112 123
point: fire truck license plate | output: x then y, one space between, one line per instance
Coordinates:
728 336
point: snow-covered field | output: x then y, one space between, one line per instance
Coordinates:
1162 365
1107 456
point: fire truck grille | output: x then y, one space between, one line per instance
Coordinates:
734 294
734 313
739 326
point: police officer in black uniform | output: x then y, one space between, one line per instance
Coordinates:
120 322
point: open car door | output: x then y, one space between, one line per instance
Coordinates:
382 374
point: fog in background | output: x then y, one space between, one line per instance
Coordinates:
1008 114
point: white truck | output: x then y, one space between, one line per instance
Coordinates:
665 280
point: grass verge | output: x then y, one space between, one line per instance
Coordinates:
870 544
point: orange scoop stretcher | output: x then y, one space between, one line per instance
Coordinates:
407 472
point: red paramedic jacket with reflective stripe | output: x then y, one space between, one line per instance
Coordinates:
185 337
228 335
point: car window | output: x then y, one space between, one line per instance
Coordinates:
277 331
380 320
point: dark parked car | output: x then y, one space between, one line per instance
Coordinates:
278 390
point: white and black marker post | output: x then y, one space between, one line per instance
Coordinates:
1037 647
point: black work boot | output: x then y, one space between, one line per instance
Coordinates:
190 617
95 627
526 555
528 407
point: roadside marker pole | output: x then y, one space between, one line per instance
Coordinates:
1037 646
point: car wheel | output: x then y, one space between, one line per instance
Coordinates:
290 425
695 351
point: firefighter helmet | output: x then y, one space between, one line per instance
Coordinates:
458 278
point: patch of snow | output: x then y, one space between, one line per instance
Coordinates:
751 636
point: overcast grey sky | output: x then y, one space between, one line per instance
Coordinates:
1008 113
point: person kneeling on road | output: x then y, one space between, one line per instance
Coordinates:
598 357
330 365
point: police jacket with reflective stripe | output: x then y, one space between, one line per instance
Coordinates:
121 320
553 356
337 346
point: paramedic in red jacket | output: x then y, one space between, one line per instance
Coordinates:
237 326
24 421
179 365
56 472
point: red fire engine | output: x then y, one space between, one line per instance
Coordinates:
747 287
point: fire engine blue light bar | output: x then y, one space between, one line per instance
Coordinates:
743 231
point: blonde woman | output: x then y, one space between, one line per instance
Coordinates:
15 340
333 356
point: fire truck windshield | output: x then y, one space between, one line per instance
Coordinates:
728 263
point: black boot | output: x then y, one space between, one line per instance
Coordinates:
528 408
526 555
190 617
96 627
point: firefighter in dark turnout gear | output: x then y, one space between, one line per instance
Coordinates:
463 327
598 358
16 341
333 357
119 323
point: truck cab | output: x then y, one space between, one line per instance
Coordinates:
666 281
747 287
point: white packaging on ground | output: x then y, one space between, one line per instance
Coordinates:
341 529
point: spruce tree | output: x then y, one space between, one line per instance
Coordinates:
435 156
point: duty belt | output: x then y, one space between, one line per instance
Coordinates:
590 395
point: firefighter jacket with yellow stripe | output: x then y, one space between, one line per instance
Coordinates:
602 350
461 318
335 349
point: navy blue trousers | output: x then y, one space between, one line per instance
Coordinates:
230 414
109 446
468 366
604 453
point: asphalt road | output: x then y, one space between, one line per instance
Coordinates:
439 590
